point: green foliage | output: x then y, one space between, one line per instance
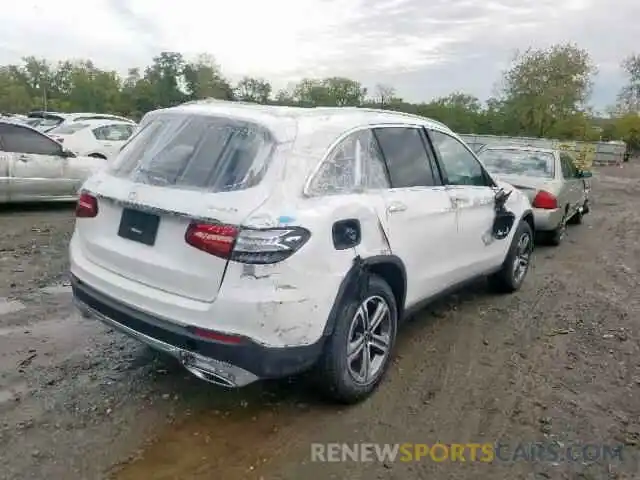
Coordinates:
629 97
543 89
544 93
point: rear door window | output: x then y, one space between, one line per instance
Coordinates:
198 152
354 165
407 157
569 169
113 133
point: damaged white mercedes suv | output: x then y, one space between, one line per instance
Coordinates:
256 242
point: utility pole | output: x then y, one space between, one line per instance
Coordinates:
44 96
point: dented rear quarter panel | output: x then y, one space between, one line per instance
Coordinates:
302 289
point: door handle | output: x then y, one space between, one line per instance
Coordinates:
396 207
459 199
23 158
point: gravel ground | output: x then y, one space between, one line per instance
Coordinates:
556 362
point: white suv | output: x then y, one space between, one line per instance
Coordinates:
258 242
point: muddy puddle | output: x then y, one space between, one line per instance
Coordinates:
236 437
239 434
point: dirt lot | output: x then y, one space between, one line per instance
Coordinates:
557 362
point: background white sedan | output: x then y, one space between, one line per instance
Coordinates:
94 138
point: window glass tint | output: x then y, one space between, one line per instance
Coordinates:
211 153
518 162
23 140
49 123
354 164
461 167
568 167
113 133
406 157
69 128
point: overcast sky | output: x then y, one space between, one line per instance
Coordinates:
424 48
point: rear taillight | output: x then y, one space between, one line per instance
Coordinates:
245 245
545 200
215 239
87 206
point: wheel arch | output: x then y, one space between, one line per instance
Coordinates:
528 217
389 267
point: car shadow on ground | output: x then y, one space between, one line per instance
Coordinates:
293 391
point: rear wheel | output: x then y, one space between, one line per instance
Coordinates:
555 237
358 352
516 265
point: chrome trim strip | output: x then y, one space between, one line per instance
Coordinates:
208 369
149 209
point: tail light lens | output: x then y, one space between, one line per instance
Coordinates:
215 239
242 245
87 206
545 200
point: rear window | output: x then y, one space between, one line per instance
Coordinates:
196 152
69 129
518 162
49 122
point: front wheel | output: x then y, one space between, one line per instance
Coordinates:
516 265
359 351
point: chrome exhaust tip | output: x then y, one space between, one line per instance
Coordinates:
210 377
215 371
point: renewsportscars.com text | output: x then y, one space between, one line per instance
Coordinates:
465 452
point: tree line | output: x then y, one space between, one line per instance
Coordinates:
543 93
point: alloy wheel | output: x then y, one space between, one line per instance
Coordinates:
369 340
524 248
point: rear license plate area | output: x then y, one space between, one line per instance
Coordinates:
141 227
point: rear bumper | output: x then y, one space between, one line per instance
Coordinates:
546 220
231 365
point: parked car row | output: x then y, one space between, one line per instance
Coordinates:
46 121
34 167
47 156
94 138
255 242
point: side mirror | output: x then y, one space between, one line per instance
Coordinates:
585 174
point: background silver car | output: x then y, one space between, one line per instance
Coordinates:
558 191
34 167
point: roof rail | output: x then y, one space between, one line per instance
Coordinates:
395 112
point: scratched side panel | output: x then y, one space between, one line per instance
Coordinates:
289 302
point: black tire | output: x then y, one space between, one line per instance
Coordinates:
585 208
334 375
508 279
555 237
577 218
